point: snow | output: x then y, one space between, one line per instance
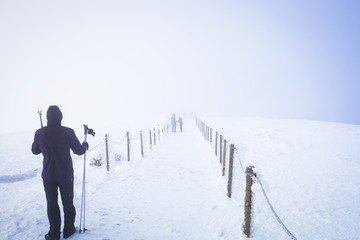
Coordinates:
176 191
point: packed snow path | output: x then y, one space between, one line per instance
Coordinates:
175 192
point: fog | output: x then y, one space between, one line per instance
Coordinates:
106 62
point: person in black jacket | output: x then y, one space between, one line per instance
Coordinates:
54 142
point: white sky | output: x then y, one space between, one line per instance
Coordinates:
103 61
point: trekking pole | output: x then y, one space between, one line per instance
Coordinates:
82 209
83 187
40 115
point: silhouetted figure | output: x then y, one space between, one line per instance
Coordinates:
173 123
54 142
180 123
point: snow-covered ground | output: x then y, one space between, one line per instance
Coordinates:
309 170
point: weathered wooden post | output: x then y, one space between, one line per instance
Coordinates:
128 145
159 134
150 139
216 138
231 162
220 145
248 200
142 146
224 159
154 137
210 135
107 153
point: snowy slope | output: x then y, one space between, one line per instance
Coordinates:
309 170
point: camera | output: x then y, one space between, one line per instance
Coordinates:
88 130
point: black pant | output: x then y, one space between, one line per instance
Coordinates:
53 211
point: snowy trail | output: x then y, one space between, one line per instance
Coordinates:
175 192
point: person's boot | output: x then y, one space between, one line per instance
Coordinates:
48 237
68 233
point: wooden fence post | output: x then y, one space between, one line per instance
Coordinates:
248 199
231 161
216 137
128 146
154 137
107 153
142 146
224 159
220 145
150 139
210 135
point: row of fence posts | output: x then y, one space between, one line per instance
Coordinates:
164 129
222 146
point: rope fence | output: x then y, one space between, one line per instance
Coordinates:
127 146
250 175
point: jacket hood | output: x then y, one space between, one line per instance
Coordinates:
54 115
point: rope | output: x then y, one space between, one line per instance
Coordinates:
242 167
93 148
266 197
262 188
273 211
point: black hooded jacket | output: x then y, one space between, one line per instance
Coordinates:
54 142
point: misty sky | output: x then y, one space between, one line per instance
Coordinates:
102 61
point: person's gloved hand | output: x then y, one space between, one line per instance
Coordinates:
86 145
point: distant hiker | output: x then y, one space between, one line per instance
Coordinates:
173 123
54 142
180 123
